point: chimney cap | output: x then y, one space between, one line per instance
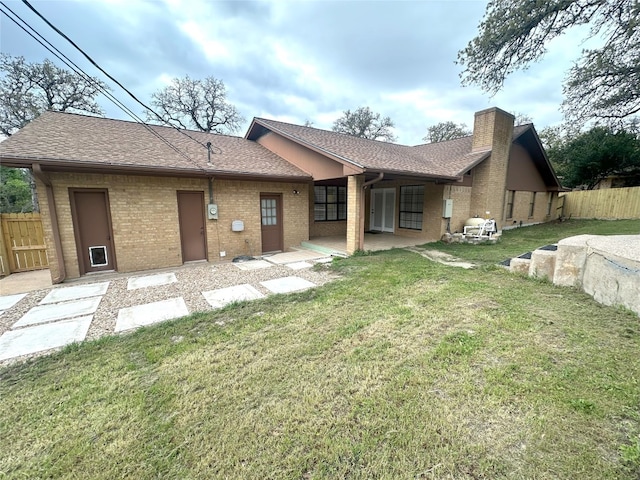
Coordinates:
495 109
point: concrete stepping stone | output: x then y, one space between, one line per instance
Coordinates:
59 311
151 281
224 296
8 301
296 256
25 341
324 260
287 284
253 265
299 265
64 294
150 313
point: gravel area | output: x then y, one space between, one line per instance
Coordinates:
192 281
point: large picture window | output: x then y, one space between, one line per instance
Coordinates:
411 206
330 203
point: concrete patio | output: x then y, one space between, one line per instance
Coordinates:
337 245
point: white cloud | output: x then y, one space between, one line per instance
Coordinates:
307 60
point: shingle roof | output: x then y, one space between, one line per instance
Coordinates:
447 159
62 138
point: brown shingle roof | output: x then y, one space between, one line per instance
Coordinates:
448 159
70 139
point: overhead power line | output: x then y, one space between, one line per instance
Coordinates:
93 62
78 70
50 47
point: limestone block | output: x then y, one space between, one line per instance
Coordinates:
519 265
571 257
612 271
543 264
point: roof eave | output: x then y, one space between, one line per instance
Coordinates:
53 165
475 163
411 173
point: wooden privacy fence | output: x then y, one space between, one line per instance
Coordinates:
607 203
22 246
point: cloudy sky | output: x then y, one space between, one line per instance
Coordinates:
297 60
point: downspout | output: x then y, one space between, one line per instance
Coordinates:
362 209
57 243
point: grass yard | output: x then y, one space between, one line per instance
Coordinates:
521 240
402 369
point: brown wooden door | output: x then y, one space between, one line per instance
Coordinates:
271 220
192 232
92 226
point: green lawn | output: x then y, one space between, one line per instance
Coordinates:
402 369
521 240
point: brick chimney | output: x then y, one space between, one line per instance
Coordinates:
492 130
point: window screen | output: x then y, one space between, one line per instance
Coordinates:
411 206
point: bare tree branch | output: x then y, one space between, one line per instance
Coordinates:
28 89
198 104
364 123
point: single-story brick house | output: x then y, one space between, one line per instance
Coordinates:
117 195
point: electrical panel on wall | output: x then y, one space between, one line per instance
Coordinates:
212 211
447 208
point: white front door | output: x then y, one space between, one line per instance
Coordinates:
383 209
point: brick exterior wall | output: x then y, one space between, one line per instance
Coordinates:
521 208
144 214
355 198
462 207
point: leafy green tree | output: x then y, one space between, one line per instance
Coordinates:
603 84
554 140
443 131
196 104
594 155
28 89
15 191
364 123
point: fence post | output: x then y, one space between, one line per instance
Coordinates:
5 269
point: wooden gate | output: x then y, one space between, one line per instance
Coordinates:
22 246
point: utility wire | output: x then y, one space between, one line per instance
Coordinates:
67 61
63 35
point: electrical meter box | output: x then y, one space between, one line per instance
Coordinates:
447 208
212 211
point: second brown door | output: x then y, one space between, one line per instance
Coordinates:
192 232
271 220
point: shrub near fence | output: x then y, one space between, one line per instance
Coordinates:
22 246
609 203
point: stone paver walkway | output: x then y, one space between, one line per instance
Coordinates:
66 313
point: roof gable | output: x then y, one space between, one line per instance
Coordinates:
527 137
431 160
